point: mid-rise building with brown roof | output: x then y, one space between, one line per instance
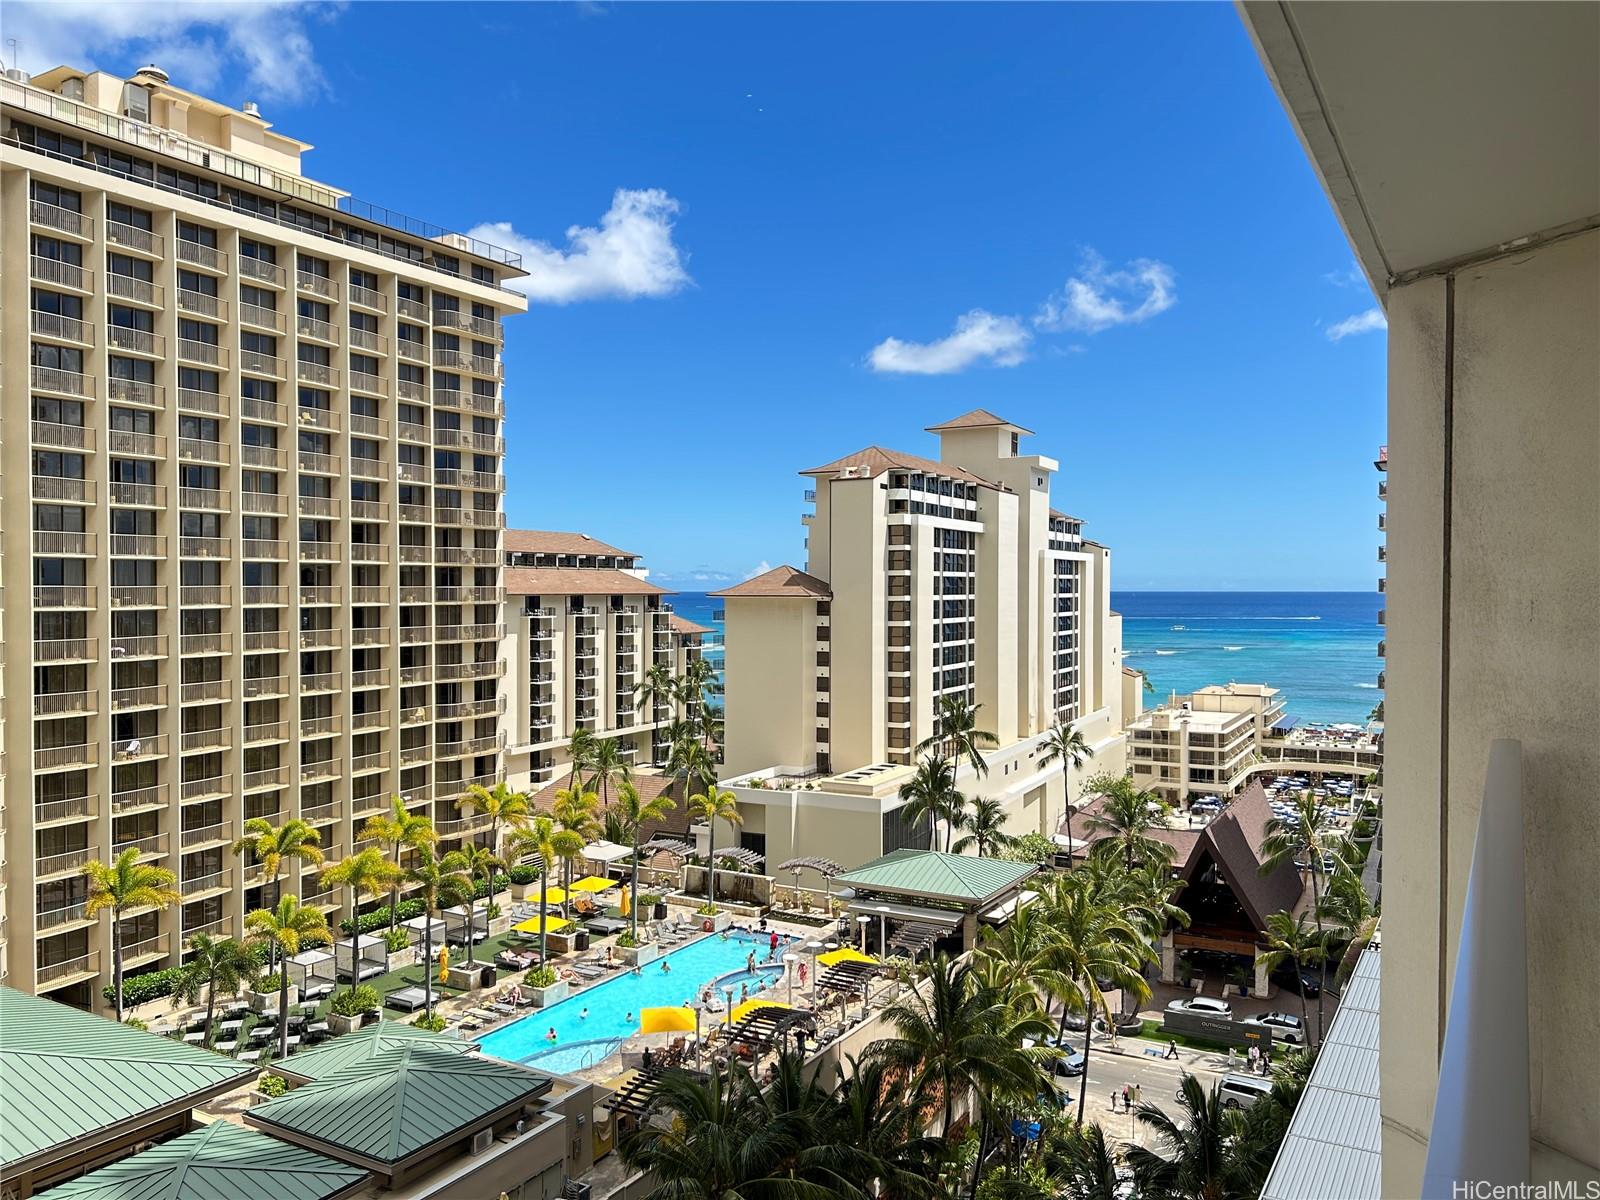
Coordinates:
926 580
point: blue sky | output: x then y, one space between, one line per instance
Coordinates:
768 235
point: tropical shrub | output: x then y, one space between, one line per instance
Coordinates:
433 1023
270 983
627 941
353 1002
135 1023
1029 848
542 977
272 1086
707 910
524 875
395 940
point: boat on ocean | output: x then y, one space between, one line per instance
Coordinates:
1178 628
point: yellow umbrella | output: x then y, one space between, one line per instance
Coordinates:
555 895
843 955
551 925
666 1020
749 1006
593 883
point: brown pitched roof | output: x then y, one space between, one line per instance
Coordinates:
875 460
649 786
551 541
1233 840
684 625
978 418
782 581
576 581
1182 841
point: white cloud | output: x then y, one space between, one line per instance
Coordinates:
1347 277
201 44
1363 322
761 568
978 336
1096 299
630 255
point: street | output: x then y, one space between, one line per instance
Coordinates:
1139 1062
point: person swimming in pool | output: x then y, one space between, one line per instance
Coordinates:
584 1015
666 967
628 1020
551 1036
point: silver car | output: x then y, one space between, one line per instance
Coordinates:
1202 1006
1286 1027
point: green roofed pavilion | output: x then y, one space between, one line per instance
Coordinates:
929 875
364 1043
404 1103
71 1081
220 1161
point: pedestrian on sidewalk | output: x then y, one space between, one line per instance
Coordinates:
1127 1098
1255 1058
1113 1099
1138 1094
1172 1048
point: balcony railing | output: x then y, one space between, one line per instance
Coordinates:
68 970
131 237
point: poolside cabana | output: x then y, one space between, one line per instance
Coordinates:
371 956
456 921
605 853
417 927
311 970
925 887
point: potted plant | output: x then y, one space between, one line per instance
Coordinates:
656 903
544 986
523 880
263 996
398 943
272 1086
719 920
636 951
351 1007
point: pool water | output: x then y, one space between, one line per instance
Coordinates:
614 1006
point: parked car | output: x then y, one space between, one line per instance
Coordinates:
1070 1063
1286 1027
1302 982
1202 1006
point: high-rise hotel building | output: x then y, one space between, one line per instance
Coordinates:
926 579
252 556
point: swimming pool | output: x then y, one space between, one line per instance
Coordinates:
613 1007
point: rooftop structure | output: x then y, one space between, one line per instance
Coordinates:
366 1043
251 457
217 1160
927 580
949 893
77 1090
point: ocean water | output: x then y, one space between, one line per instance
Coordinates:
1320 648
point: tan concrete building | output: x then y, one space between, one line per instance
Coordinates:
926 579
1459 145
1204 744
583 626
252 477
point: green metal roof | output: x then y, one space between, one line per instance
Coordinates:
363 1044
392 1105
65 1075
220 1161
929 874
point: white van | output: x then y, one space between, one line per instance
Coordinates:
1241 1091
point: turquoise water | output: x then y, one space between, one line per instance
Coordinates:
1320 648
614 1006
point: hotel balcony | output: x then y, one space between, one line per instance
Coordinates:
55 920
260 271
207 258
132 290
56 328
153 846
72 970
60 274
146 951
62 220
199 887
364 297
202 304
61 383
62 758
140 241
317 285
253 316
50 866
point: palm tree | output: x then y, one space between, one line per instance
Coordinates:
879 1119
270 845
711 806
689 761
479 861
1306 836
1126 818
930 794
1292 939
654 689
576 810
580 753
440 883
501 804
1093 942
985 823
216 967
1351 916
285 928
960 1036
607 769
696 686
125 884
726 1138
400 830
544 838
1080 1163
1065 745
1195 1155
634 812
365 874
956 735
